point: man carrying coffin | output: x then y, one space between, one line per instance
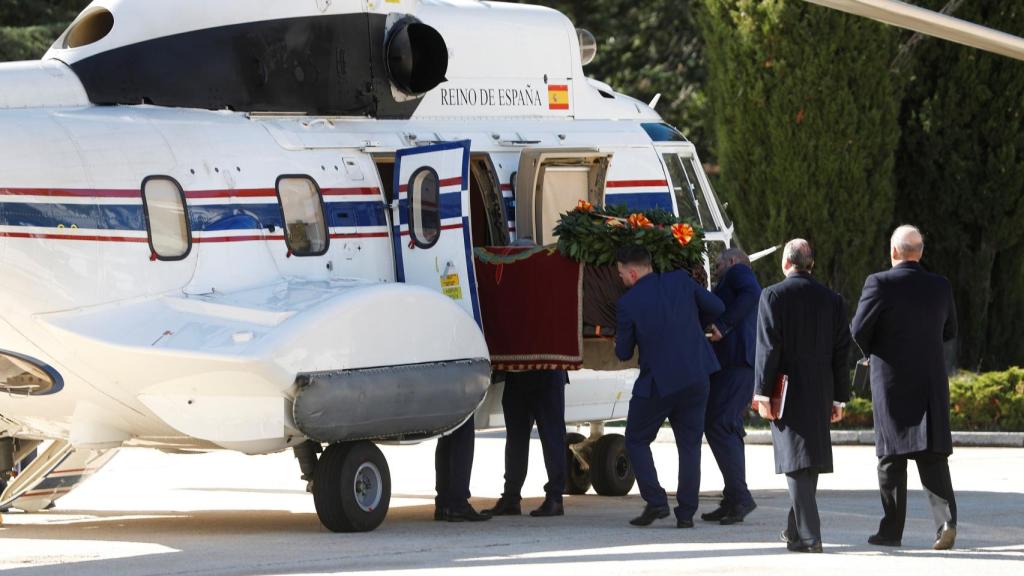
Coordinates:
802 338
663 315
734 335
905 315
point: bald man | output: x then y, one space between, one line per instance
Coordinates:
904 317
802 334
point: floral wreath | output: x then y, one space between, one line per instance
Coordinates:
592 234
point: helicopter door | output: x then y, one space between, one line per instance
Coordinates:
432 237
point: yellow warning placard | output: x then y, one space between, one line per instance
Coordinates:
450 286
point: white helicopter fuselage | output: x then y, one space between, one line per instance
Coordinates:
159 289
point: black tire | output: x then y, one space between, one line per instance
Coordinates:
352 487
610 469
577 480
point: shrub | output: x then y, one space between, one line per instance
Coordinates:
989 401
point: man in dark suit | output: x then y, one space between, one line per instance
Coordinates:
734 335
905 315
453 463
533 396
802 333
663 315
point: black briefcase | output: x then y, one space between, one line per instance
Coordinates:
862 378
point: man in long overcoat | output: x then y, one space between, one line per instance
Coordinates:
904 317
802 334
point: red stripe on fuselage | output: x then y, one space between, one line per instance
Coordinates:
635 183
91 238
350 191
249 193
70 193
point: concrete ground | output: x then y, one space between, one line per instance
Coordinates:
224 513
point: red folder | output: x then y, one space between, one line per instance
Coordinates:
777 401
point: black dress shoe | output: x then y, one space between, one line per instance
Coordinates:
717 514
439 514
505 507
737 513
813 547
549 508
467 514
945 537
879 540
650 514
680 523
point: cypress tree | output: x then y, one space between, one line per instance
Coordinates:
805 115
29 27
961 179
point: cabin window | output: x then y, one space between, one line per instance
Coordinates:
305 230
166 222
26 376
425 207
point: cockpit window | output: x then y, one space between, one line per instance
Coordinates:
681 186
166 222
25 376
90 28
661 132
707 218
305 230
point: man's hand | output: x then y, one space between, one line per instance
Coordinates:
716 334
837 414
764 409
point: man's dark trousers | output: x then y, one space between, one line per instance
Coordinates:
804 524
453 465
732 387
933 468
685 411
534 396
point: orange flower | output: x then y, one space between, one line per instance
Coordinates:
639 221
683 233
584 206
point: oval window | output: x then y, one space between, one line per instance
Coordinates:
164 204
305 230
92 27
25 376
425 207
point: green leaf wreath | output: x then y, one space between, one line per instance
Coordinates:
592 234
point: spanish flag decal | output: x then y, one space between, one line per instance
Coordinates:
558 97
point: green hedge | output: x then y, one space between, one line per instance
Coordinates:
977 402
993 401
989 401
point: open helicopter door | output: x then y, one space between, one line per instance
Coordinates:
431 227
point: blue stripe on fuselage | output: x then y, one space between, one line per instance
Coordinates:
203 218
640 200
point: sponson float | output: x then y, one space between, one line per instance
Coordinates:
249 224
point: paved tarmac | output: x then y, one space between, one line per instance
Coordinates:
226 514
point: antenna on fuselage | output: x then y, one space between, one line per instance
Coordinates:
655 100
